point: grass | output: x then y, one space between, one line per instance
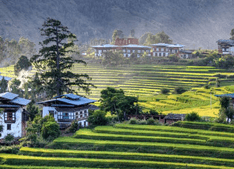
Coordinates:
125 155
88 162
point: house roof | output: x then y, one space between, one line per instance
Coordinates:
231 95
135 46
6 78
168 45
186 51
105 46
175 116
8 95
13 98
21 101
69 99
226 41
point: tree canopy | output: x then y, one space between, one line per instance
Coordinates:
22 63
160 37
54 64
116 102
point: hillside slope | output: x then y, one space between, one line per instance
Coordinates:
196 24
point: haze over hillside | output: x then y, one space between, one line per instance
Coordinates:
194 23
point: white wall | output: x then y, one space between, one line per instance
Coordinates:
46 110
16 128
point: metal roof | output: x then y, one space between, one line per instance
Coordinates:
105 46
8 95
78 102
168 45
227 41
6 78
134 46
72 96
21 101
226 95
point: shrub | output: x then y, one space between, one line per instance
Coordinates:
50 130
9 138
98 118
143 122
133 121
74 127
179 90
150 121
192 117
165 91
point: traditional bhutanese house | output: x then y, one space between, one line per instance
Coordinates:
14 116
171 118
67 108
226 46
101 49
139 50
185 54
164 49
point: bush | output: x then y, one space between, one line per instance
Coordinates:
133 121
98 118
150 121
50 130
165 91
179 90
9 138
192 117
74 127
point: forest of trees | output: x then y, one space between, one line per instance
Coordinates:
11 50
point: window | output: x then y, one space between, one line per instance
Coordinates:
60 115
51 113
9 117
162 49
133 51
157 49
167 49
124 50
129 51
8 126
139 51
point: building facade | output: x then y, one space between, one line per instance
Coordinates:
226 47
67 108
14 116
164 49
126 45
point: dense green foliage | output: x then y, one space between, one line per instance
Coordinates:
160 37
117 102
53 62
165 91
193 116
3 85
98 117
22 64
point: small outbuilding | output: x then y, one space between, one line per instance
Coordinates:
171 118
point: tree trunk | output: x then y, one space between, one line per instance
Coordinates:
57 63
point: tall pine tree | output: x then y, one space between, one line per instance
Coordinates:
54 64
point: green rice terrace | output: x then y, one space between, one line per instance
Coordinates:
145 81
133 146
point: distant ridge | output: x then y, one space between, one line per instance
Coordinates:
194 23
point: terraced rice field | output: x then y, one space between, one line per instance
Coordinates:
145 82
131 146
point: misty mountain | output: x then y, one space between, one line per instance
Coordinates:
194 23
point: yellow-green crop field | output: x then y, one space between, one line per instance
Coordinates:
146 81
132 146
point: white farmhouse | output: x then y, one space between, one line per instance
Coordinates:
67 108
14 116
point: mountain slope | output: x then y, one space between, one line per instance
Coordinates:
194 23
